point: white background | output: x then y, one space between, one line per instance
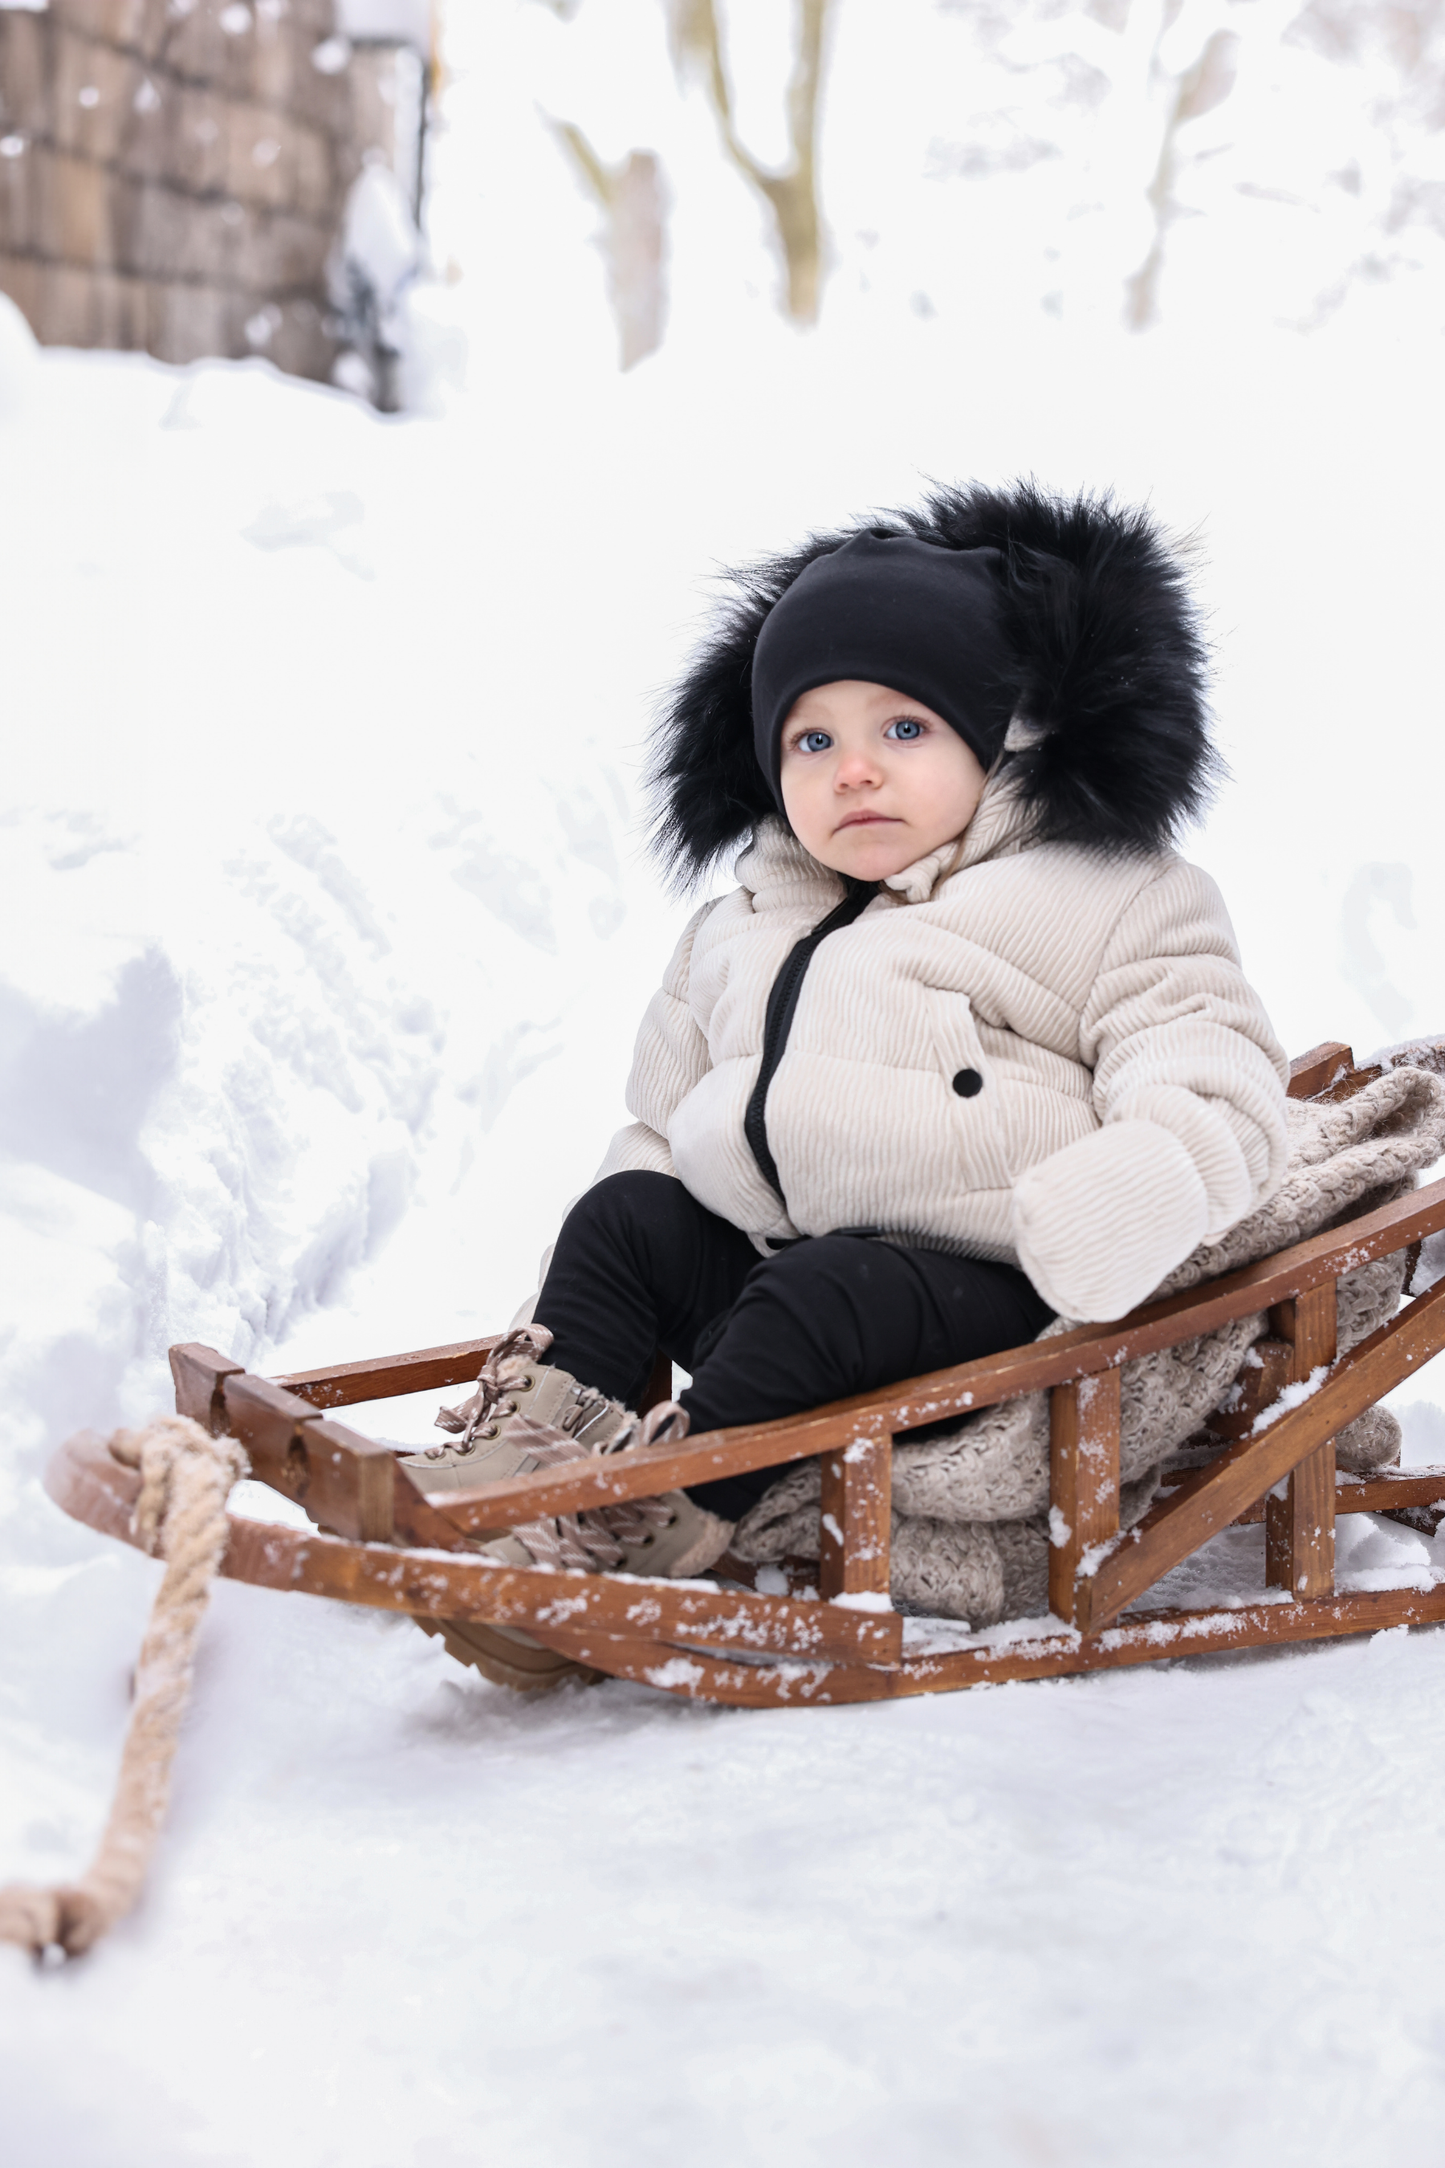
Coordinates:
326 928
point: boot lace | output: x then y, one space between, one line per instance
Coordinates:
503 1373
597 1539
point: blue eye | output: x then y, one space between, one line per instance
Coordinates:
906 729
814 741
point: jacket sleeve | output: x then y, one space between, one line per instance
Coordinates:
1189 1090
670 1057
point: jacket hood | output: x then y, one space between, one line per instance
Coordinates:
1109 747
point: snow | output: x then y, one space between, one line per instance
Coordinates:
1292 1396
326 927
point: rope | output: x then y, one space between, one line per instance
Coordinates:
186 1477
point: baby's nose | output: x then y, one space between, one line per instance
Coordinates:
855 769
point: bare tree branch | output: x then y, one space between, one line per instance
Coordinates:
1198 90
792 195
630 197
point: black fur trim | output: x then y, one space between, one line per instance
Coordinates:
1112 669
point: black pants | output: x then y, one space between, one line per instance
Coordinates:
641 1265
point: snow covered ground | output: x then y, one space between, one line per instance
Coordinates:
325 931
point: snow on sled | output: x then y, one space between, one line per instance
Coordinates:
823 1628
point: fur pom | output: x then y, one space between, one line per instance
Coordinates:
1111 675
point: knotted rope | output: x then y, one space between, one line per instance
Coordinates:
186 1476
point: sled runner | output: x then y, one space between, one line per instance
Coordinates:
825 1630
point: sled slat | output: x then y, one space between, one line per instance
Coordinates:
346 1482
647 1471
386 1377
1259 1388
1213 1497
1300 1526
349 1480
1309 1327
1354 1080
1147 1636
1139 1640
200 1375
696 1674
800 1574
1083 1484
266 1419
855 1516
461 1586
1389 1490
84 1479
1299 1529
414 1519
1321 1066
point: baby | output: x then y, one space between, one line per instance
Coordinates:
967 1047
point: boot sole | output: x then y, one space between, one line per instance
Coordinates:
522 1664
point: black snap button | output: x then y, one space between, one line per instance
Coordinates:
967 1082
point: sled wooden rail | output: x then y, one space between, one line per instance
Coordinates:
387 1377
1086 1352
380 1541
89 1483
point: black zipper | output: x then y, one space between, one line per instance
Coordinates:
782 1007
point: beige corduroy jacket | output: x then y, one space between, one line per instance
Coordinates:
1132 1091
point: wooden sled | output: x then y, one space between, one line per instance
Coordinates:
839 1640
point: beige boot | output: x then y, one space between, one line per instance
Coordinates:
505 1656
514 1383
668 1536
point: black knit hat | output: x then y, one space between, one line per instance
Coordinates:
893 611
1110 674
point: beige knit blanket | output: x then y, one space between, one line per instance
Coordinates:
970 1538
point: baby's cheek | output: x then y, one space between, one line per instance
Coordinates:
802 806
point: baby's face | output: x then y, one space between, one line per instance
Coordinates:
873 780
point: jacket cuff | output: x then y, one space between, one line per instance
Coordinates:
1098 1225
